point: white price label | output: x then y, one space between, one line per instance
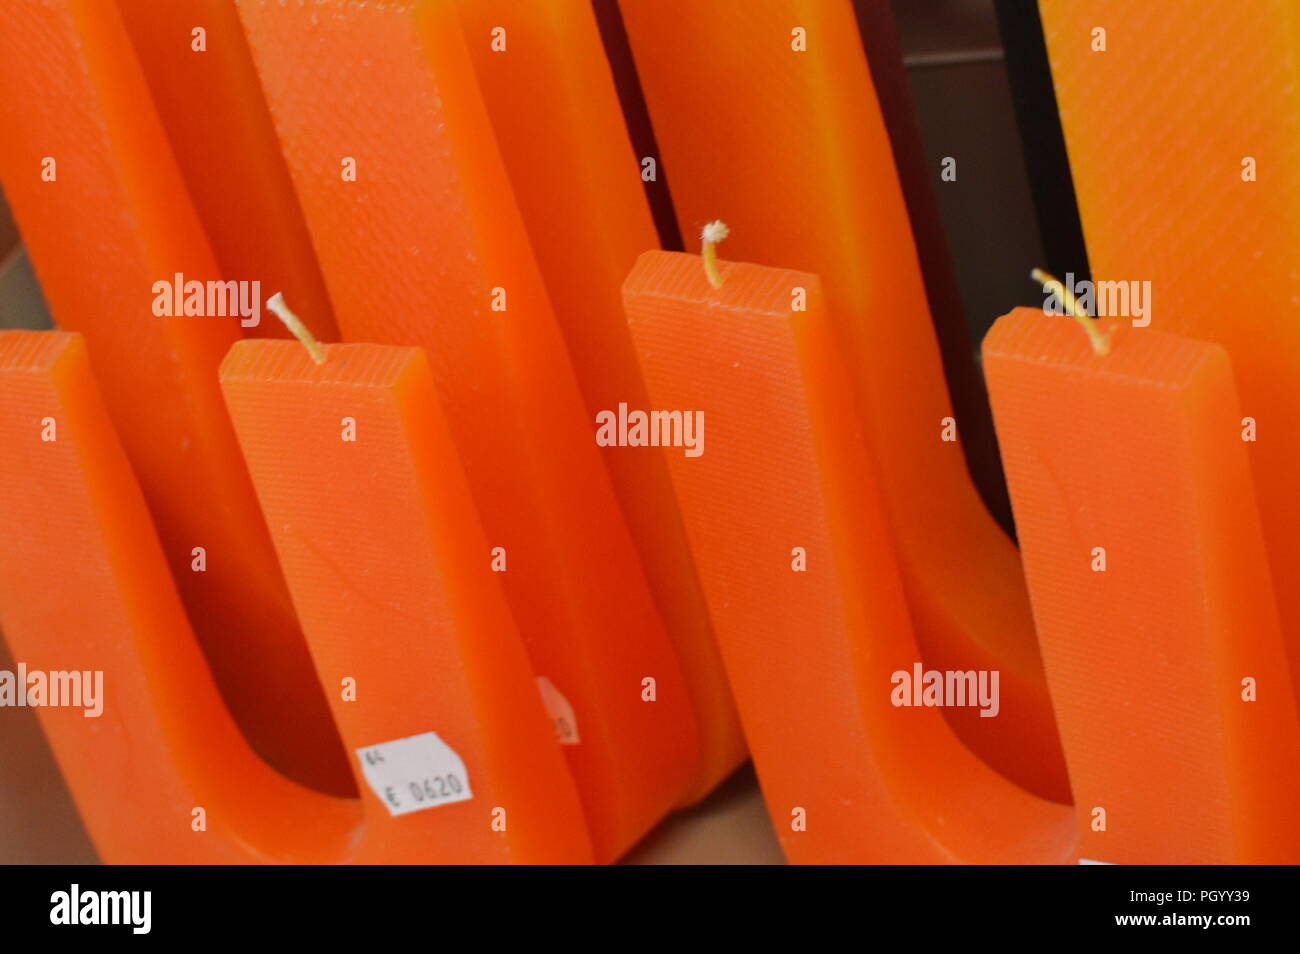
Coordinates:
563 720
415 773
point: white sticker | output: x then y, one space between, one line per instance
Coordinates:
563 721
415 773
1089 861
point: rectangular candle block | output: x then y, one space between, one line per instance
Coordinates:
159 771
392 577
420 243
783 514
1151 592
587 218
1186 179
161 775
767 120
105 214
205 88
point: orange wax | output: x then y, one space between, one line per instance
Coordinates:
113 219
418 250
84 586
378 537
586 214
216 121
813 653
789 149
1139 452
1159 155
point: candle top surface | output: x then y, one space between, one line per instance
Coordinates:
750 288
1156 357
367 365
34 351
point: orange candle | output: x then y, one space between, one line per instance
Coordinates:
160 774
587 218
205 88
1155 216
785 522
420 243
1145 660
769 121
104 213
1151 590
374 525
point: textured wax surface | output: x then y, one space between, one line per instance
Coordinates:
116 219
740 115
1157 127
392 86
390 572
587 218
810 653
1139 452
212 108
83 585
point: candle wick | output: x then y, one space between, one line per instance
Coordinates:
300 331
1100 340
710 236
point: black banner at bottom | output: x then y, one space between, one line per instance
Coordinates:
333 904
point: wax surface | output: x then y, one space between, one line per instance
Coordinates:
1140 452
220 132
1144 660
392 87
83 585
391 575
1156 152
789 149
811 653
116 219
583 205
